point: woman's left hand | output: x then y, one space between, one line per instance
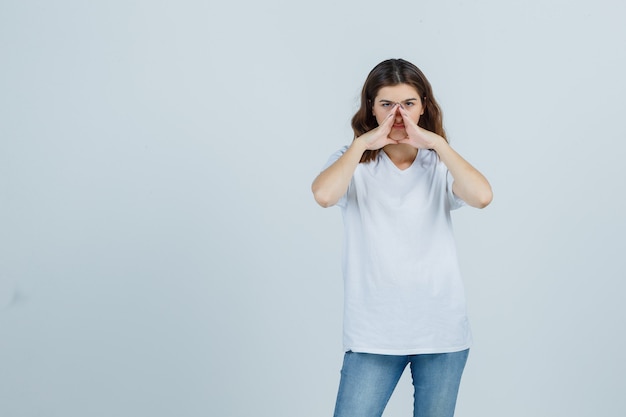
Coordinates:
469 184
417 136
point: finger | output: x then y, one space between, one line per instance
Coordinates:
409 122
404 114
388 122
409 142
392 113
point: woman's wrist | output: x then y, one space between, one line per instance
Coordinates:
440 144
359 145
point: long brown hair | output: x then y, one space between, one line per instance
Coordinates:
388 73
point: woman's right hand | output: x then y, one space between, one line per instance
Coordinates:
333 182
379 136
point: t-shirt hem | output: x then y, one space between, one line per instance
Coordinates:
402 352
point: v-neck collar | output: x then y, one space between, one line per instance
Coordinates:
395 166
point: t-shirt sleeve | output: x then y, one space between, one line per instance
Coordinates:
454 200
333 158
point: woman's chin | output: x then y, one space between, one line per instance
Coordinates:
398 136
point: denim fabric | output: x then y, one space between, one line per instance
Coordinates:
368 380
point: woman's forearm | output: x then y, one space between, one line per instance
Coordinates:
469 184
332 183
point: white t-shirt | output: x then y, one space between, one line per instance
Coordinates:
403 293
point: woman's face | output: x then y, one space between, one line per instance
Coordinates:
404 94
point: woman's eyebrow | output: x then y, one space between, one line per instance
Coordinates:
403 101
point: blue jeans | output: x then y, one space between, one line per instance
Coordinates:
367 381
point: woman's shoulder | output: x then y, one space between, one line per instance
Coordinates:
335 156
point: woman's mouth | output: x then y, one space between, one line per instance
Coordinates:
398 126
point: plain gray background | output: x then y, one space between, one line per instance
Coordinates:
161 253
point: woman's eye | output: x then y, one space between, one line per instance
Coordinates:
386 104
409 104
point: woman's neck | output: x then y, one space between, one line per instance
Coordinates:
402 154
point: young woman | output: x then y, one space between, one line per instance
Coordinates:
404 300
